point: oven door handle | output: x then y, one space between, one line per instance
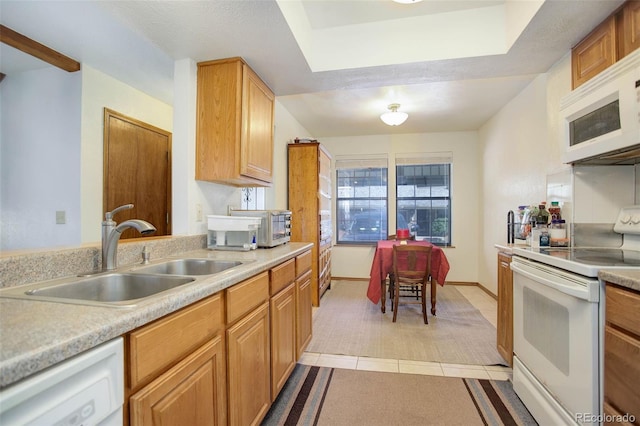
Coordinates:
560 283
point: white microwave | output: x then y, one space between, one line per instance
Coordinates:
602 117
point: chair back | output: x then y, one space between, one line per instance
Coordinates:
411 263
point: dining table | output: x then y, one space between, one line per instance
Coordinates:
382 266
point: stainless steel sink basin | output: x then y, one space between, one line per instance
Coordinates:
190 267
114 289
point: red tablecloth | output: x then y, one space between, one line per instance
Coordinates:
383 264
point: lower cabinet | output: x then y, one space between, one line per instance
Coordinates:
303 312
193 392
505 308
284 353
176 369
621 355
222 360
248 368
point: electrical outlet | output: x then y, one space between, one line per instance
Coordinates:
61 217
198 212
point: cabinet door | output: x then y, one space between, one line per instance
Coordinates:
283 338
595 53
256 151
630 28
248 368
192 392
505 308
303 313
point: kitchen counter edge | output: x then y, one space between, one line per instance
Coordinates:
35 335
629 278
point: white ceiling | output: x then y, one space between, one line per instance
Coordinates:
457 64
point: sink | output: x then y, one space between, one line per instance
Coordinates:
190 267
113 289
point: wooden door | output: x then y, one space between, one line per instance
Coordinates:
191 393
248 368
137 170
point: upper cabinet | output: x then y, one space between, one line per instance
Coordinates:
613 39
234 129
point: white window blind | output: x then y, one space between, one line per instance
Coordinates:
424 158
362 161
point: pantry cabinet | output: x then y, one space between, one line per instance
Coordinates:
310 204
613 39
178 362
234 124
505 308
622 353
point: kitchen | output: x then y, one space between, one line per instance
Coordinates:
479 215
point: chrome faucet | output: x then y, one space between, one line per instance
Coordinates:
111 233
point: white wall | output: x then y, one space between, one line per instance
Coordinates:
355 261
40 158
101 91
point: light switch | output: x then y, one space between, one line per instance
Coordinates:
198 212
61 217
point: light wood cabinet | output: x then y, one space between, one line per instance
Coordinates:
175 362
193 392
222 360
629 33
622 352
505 308
234 130
304 309
594 53
248 368
612 40
248 350
310 204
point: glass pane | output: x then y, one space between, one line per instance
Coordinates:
423 202
362 205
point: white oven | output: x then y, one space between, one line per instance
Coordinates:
556 342
602 116
558 324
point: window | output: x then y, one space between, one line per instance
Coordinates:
362 200
423 197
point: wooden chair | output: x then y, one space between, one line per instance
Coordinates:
411 270
391 279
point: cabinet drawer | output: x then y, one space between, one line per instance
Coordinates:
622 308
245 296
282 275
303 263
157 346
621 371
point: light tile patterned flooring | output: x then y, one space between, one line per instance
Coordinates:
477 297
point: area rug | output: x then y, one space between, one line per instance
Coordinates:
331 396
347 323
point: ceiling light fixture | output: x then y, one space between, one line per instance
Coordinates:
394 118
407 1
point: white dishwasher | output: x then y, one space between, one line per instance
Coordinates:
87 389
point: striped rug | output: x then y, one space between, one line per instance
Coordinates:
332 396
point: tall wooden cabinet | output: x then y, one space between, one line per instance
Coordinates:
505 308
310 205
234 125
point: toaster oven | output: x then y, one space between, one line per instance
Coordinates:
275 226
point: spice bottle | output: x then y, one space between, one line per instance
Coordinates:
554 210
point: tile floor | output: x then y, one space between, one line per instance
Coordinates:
481 300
